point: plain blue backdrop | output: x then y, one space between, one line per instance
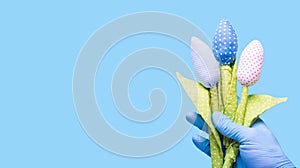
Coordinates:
39 45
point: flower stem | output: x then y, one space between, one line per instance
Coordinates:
220 102
214 101
215 150
231 154
226 79
232 151
225 71
240 112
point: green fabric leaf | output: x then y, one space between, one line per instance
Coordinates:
258 104
200 98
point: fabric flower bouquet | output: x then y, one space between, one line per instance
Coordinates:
217 71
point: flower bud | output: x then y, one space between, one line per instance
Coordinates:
225 43
250 64
204 63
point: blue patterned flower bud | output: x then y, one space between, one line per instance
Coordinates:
225 43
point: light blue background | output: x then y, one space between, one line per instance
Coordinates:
39 44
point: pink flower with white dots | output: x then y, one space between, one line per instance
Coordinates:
250 64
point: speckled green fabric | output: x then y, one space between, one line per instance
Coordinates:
208 100
258 104
255 106
216 154
231 154
225 80
200 97
214 101
241 110
231 101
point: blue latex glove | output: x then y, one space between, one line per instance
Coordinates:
258 146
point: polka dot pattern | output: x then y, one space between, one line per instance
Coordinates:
258 104
214 102
255 106
231 154
225 43
231 102
231 97
250 65
204 63
217 88
240 112
216 153
225 72
200 97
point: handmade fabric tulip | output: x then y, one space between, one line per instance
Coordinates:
216 89
250 64
225 43
224 48
248 73
207 71
206 68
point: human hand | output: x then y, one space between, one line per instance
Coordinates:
258 146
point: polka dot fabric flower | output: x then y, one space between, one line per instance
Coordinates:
218 72
204 63
250 65
225 43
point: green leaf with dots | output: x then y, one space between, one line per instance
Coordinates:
258 104
231 100
200 98
231 97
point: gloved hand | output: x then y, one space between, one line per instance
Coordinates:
258 146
